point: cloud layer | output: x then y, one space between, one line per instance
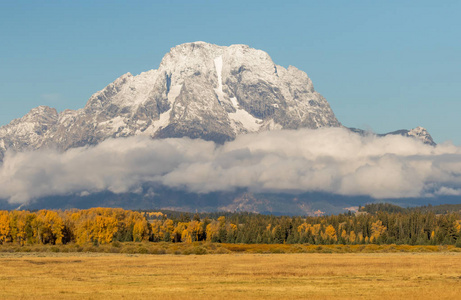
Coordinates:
330 160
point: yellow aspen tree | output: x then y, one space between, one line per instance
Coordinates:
5 229
304 228
153 215
83 232
157 232
377 229
186 236
315 229
179 229
168 229
352 237
195 230
48 227
19 234
21 223
140 231
457 225
57 225
104 228
212 230
233 227
331 232
111 228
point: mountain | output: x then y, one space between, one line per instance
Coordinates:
419 133
309 203
200 90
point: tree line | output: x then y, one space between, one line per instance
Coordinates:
95 225
106 225
388 207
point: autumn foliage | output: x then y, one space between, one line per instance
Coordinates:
98 226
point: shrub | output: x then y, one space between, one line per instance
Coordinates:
297 249
221 250
458 243
142 250
114 250
199 250
54 249
157 250
276 250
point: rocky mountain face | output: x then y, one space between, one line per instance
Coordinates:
200 90
28 132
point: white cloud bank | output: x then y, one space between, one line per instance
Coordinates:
330 160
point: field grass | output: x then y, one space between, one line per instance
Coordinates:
218 248
48 275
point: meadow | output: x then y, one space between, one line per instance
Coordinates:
84 275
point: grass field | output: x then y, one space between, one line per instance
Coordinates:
230 276
200 248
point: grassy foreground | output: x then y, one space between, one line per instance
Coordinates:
230 276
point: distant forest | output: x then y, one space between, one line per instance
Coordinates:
373 224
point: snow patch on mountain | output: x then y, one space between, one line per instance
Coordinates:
242 117
218 66
164 118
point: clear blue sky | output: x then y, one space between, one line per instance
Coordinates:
381 65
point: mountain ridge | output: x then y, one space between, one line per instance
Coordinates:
199 90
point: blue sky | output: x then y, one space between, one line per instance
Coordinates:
381 66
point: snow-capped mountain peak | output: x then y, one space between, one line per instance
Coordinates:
199 90
422 134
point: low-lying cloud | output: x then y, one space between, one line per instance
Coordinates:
329 160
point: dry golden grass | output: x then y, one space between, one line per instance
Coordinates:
230 276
